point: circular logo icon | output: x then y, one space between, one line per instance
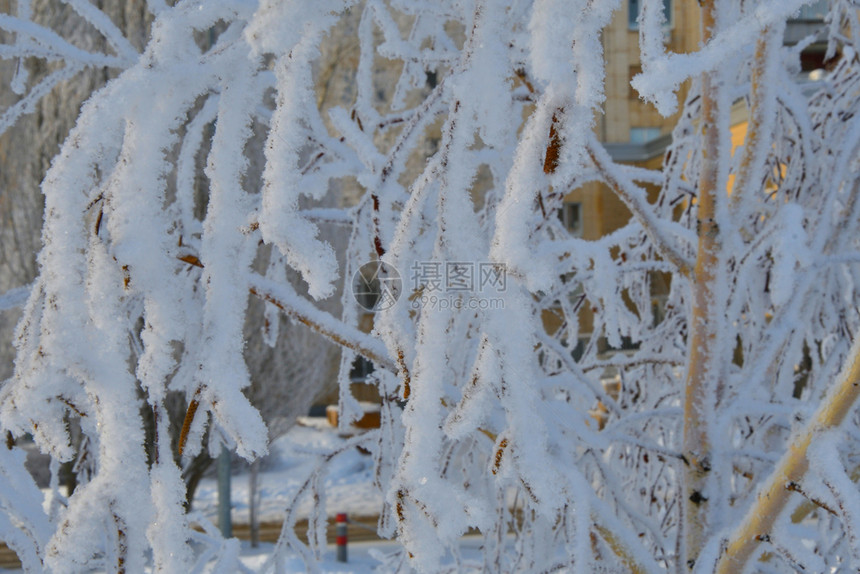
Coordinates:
376 286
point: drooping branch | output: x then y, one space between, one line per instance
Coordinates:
284 298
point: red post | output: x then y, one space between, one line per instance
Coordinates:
340 531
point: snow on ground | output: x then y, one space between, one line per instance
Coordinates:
348 483
349 488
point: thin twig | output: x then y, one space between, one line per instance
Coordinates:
320 322
795 487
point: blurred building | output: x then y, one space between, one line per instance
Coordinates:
634 132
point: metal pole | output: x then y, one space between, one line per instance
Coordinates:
253 503
224 522
340 531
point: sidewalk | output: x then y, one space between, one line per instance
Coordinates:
359 529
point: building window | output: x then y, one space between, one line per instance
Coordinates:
361 369
814 12
570 215
633 7
643 135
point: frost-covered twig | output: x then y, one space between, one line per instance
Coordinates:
303 311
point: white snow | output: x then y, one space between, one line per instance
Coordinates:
348 480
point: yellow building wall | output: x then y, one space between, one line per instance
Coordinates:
601 210
623 108
739 121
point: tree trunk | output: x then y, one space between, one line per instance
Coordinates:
703 369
